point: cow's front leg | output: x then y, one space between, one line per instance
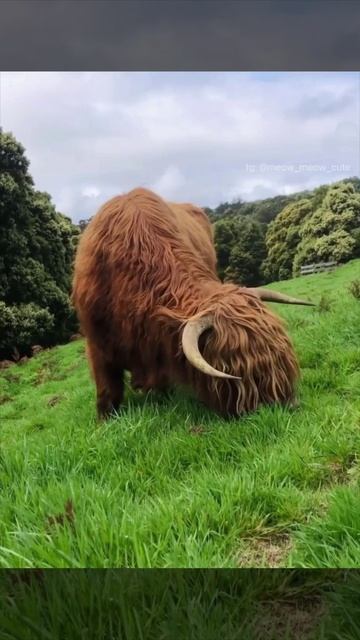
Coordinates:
155 381
109 380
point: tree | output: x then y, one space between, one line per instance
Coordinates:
240 245
225 235
247 254
83 224
318 196
331 232
282 239
36 253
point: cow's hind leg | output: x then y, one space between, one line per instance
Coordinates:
109 380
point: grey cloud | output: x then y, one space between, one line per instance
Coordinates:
324 103
203 137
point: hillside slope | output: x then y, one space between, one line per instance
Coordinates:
170 484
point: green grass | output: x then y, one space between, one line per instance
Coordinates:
169 484
194 604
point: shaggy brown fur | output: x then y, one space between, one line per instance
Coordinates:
143 268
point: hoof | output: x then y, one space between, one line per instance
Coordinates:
294 404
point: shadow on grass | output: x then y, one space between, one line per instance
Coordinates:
244 605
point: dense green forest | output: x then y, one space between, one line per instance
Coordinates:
256 242
270 239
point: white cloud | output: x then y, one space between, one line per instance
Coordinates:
190 136
169 182
249 189
90 192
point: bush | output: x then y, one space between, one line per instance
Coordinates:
282 239
23 326
338 246
37 247
354 289
330 233
325 304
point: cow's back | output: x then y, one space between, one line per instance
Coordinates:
197 231
133 255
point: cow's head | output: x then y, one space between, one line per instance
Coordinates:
240 354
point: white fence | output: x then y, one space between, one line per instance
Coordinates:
317 267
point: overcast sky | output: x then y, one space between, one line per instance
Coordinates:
200 137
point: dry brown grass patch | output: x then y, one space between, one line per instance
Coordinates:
197 430
67 516
293 619
268 551
54 400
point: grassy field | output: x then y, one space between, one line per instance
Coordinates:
181 605
168 484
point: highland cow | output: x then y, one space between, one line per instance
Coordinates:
149 301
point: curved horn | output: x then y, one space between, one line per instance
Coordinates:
274 296
190 338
